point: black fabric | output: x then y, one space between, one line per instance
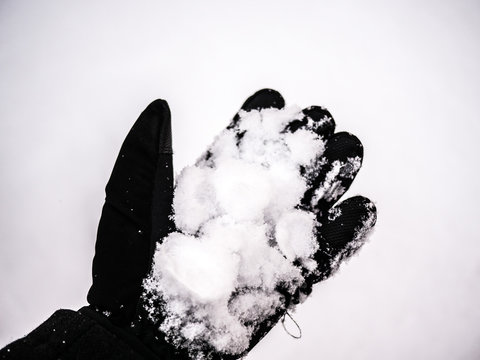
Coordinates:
129 335
342 233
140 189
264 99
70 335
353 213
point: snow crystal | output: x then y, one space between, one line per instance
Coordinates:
240 234
334 213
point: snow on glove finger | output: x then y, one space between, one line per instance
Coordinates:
243 243
339 165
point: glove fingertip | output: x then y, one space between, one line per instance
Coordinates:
264 99
343 145
156 118
345 229
349 221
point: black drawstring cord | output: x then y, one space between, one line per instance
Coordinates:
285 328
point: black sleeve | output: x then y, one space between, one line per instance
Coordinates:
77 335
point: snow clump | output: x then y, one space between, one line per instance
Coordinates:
240 234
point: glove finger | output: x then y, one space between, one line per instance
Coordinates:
317 119
339 165
344 230
262 99
135 214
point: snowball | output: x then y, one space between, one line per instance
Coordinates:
239 232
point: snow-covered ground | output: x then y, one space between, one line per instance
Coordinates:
402 76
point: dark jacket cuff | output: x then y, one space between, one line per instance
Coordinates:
82 335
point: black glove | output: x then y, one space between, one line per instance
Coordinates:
137 216
342 230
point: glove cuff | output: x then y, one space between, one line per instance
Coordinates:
82 335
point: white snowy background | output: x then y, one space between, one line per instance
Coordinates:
401 75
